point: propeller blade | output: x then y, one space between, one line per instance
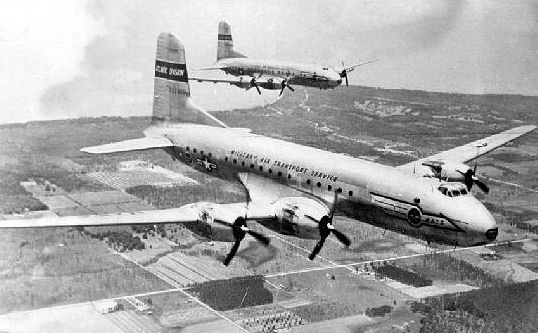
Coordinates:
259 237
255 85
317 248
468 178
290 87
341 237
283 84
483 186
347 83
232 253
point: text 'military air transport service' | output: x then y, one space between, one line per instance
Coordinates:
271 75
295 189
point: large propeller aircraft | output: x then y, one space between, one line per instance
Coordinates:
271 75
294 189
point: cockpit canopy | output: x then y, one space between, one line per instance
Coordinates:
453 189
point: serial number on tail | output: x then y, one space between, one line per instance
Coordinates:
178 91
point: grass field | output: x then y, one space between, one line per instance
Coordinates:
44 267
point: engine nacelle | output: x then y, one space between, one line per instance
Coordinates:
213 219
298 216
270 84
447 171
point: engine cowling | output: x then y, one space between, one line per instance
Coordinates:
454 172
215 219
299 216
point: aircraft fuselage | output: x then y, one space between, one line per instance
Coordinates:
296 73
378 194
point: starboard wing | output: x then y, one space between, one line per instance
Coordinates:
470 151
185 214
128 145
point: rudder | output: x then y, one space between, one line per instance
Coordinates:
225 47
171 98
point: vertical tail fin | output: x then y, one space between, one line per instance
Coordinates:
225 47
171 97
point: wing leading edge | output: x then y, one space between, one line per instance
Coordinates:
470 151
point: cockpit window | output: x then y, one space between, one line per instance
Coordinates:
453 189
325 68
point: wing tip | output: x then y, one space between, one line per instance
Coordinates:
88 150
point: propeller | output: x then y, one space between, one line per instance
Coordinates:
240 229
284 85
343 73
346 70
470 179
255 85
326 227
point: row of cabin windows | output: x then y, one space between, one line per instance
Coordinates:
308 181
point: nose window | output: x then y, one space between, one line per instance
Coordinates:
491 234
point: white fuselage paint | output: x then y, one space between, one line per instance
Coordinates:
374 193
296 73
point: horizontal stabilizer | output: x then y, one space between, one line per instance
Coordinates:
209 68
128 145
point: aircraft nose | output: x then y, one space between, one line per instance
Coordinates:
480 223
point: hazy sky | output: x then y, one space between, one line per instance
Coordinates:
65 58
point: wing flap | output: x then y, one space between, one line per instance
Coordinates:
128 145
470 151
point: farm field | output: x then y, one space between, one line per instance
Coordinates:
384 281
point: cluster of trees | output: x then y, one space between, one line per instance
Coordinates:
445 266
120 241
403 275
455 321
229 294
501 308
380 311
